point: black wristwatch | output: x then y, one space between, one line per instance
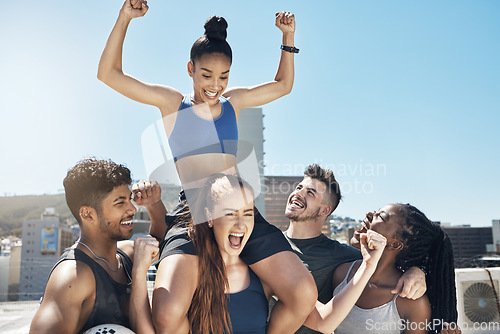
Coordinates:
291 49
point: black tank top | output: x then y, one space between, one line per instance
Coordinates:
249 308
111 298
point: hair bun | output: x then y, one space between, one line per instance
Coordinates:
216 28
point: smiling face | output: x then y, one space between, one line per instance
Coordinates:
307 201
210 75
386 221
233 221
116 214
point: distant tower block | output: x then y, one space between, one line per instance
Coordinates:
43 242
251 130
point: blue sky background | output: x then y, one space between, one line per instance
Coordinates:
401 98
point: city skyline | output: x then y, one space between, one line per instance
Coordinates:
400 99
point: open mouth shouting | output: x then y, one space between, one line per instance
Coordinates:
236 239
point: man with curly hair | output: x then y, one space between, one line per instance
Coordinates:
91 283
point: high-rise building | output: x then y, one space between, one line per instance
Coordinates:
43 242
251 152
4 278
10 260
468 243
495 223
15 271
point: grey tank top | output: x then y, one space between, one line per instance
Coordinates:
383 319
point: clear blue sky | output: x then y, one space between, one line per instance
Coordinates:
401 98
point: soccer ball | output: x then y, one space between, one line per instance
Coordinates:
108 329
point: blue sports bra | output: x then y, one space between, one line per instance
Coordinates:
249 308
193 135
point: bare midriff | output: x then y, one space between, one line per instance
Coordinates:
193 170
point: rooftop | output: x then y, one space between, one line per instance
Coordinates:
15 317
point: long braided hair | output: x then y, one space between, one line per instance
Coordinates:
427 246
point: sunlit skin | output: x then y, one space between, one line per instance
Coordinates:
116 214
306 200
233 222
388 222
71 290
385 221
210 75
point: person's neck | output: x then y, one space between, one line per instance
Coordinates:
304 229
230 260
386 272
102 248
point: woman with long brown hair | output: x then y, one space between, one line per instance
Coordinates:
228 297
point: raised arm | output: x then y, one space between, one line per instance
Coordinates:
148 194
110 66
326 317
145 251
65 305
283 81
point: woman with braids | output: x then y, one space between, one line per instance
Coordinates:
202 133
412 240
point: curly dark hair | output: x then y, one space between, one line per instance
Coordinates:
427 246
90 181
326 176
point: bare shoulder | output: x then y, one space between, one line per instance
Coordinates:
171 101
414 309
68 299
236 95
71 276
